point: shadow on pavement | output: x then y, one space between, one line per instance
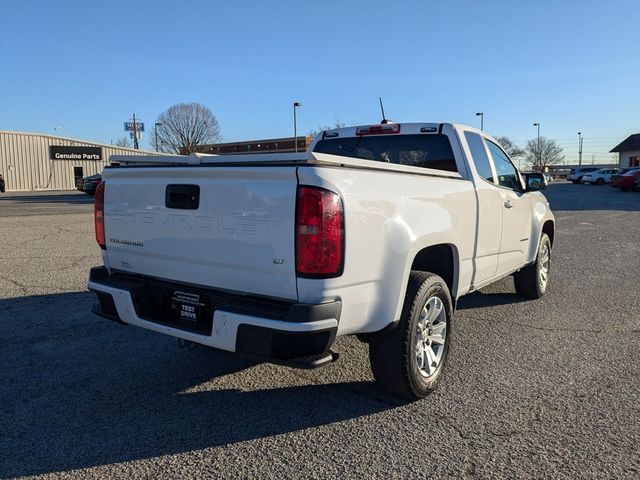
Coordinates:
79 391
479 299
67 197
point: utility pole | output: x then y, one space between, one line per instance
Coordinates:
579 148
135 133
481 115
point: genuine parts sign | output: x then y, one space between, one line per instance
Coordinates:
64 152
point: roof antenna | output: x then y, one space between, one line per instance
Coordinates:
384 119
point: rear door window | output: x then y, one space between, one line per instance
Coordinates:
426 151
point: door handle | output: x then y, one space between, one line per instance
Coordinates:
508 204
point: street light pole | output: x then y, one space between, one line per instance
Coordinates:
538 152
579 148
481 115
156 125
295 125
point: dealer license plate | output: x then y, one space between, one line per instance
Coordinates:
189 307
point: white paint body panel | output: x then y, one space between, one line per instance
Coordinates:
514 241
247 216
387 222
240 239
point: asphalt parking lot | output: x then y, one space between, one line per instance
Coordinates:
547 388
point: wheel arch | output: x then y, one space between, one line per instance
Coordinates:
441 259
549 228
542 221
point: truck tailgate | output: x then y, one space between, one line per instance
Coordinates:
237 236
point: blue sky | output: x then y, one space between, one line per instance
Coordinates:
87 66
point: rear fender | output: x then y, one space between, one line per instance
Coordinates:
442 237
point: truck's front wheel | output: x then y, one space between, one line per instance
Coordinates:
408 360
531 281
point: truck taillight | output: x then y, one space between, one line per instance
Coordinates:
319 233
98 216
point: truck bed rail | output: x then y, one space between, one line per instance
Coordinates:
204 159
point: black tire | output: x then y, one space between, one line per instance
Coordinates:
600 181
392 353
624 189
529 281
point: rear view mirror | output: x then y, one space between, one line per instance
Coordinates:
535 182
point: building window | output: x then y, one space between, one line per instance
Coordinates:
634 161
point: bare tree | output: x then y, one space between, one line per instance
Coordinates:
511 148
161 146
543 153
337 124
615 159
124 142
185 126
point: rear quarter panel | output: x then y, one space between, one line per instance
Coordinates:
389 218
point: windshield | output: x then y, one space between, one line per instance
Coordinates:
427 151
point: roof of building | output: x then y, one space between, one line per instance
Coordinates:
629 144
309 138
75 140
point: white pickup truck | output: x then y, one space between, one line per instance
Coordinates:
376 231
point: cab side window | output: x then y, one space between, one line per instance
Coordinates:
506 172
479 154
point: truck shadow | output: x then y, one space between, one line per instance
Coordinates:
480 299
78 391
70 197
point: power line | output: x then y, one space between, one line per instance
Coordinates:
576 139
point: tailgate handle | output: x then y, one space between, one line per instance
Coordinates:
184 197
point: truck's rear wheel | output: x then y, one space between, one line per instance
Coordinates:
409 359
531 281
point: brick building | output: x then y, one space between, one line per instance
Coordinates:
270 145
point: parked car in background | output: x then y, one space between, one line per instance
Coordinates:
89 184
576 174
599 177
626 180
637 184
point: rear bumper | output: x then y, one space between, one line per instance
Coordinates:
237 323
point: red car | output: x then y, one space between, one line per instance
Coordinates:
625 179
